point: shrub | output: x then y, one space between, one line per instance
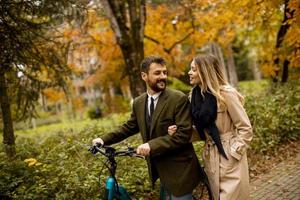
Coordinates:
95 113
178 85
116 104
60 167
275 115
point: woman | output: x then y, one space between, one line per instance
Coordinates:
221 120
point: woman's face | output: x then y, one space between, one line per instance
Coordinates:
194 75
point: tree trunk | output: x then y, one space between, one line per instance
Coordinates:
288 14
216 50
44 104
8 131
255 69
127 19
285 71
132 61
231 69
275 77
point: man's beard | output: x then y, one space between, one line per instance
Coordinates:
155 86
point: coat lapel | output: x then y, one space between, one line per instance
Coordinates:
142 116
159 107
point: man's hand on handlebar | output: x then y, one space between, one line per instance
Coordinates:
98 142
143 149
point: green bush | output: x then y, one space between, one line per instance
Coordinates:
254 88
178 85
275 115
60 167
94 113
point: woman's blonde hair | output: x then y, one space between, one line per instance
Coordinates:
211 75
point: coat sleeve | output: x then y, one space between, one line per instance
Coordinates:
241 123
162 144
128 129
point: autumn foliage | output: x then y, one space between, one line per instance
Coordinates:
178 31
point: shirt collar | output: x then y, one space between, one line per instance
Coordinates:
154 96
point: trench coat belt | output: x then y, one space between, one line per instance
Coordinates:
211 150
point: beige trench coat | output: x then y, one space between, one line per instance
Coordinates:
229 179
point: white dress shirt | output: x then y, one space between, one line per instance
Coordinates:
155 97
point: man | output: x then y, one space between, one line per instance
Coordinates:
170 158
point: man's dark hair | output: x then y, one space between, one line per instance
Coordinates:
145 65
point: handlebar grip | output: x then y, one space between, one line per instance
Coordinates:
93 149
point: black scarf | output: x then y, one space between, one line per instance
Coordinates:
204 114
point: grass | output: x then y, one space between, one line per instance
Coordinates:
72 126
253 87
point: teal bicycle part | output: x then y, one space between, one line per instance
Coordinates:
112 189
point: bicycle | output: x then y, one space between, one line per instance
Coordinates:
115 191
112 189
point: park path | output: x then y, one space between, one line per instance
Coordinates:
281 183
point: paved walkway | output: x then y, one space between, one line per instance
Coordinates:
281 183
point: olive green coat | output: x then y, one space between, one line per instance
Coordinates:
172 158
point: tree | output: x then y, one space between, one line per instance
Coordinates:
275 49
191 27
97 58
31 56
127 20
288 15
231 69
184 28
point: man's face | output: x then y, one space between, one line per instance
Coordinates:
156 77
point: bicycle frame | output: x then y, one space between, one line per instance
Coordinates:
112 189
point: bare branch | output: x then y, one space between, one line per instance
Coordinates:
168 50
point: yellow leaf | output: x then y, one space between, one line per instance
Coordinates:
30 160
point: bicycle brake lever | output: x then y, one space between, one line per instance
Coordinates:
130 148
93 150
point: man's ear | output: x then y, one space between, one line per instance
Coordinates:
144 76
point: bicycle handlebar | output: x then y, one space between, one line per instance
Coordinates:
111 152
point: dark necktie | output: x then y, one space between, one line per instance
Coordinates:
151 107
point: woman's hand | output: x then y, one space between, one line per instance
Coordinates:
172 129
